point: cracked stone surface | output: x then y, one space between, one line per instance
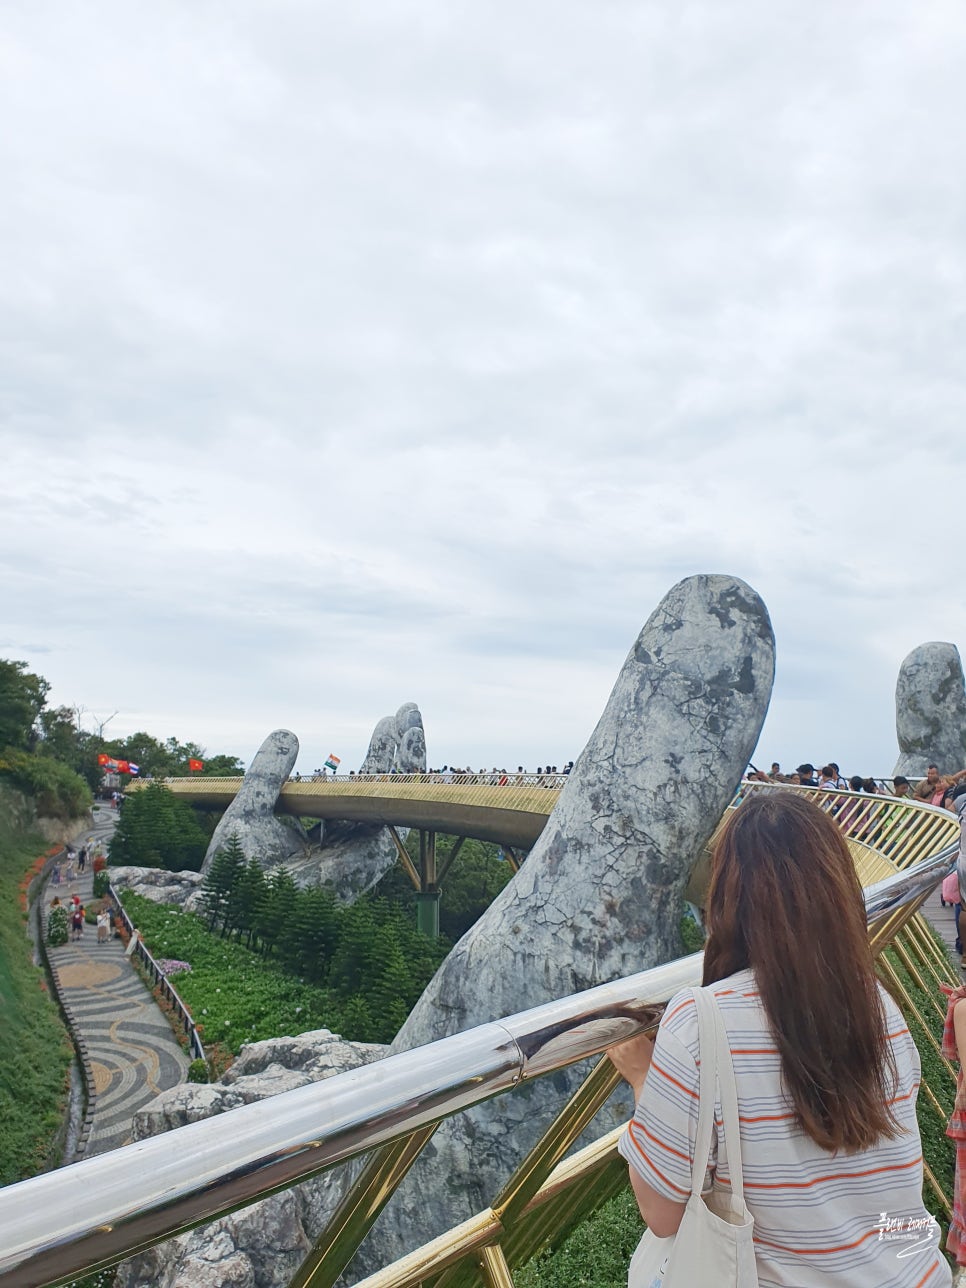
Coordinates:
251 814
600 894
262 1245
178 889
931 710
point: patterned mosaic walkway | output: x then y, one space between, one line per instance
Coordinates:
130 1050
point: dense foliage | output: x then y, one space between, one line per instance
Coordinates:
33 1071
55 789
156 830
307 963
598 1251
477 876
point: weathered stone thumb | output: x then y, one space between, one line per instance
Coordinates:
251 815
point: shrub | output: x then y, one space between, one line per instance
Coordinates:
101 881
57 791
57 926
37 1054
99 864
198 1071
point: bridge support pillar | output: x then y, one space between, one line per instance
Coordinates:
427 912
427 896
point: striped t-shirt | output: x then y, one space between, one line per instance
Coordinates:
820 1218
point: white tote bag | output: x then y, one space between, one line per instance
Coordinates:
713 1245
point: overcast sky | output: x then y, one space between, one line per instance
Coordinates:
360 354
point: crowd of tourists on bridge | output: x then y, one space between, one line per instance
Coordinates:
544 776
932 789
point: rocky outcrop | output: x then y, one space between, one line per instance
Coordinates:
264 1244
931 710
251 815
353 858
600 894
181 889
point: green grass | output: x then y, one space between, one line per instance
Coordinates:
234 994
36 1050
595 1255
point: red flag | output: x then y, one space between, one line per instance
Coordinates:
195 764
123 767
103 758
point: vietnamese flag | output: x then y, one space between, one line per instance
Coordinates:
123 767
194 765
103 758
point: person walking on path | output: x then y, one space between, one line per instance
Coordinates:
76 919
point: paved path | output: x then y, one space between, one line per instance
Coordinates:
943 922
131 1050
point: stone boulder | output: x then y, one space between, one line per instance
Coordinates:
601 893
251 815
181 889
353 858
263 1245
931 711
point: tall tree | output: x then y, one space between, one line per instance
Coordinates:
23 696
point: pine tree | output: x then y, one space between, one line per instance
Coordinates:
351 960
219 890
252 893
275 915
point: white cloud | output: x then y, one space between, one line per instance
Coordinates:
353 357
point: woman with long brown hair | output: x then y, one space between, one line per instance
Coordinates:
826 1070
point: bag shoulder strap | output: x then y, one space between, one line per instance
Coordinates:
707 1077
729 1101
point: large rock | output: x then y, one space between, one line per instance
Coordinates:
262 1245
353 858
931 710
601 893
181 889
251 815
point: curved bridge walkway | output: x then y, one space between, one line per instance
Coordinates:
127 1046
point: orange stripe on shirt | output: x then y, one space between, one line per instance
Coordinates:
636 1125
680 1085
818 1252
656 1170
840 1176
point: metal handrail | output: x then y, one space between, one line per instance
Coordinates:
88 1215
161 980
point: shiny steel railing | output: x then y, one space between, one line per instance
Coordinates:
89 1215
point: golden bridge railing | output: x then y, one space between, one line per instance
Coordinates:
94 1212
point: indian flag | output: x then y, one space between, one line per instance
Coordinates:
333 762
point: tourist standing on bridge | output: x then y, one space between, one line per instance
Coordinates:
954 1049
827 1072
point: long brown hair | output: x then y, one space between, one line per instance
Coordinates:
785 900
